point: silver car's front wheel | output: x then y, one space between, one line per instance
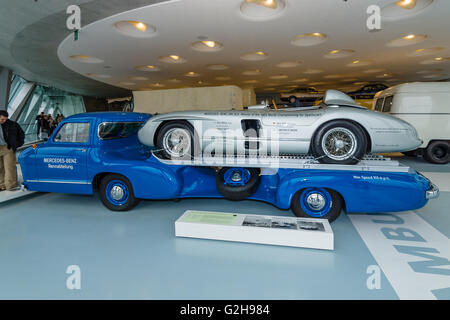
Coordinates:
339 142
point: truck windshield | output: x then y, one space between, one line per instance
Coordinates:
117 130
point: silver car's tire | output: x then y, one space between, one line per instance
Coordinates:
339 142
177 140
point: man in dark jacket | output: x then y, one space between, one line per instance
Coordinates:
11 138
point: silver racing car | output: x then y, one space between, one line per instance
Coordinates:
337 131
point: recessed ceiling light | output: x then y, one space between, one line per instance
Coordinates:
289 64
172 59
262 9
271 4
191 74
385 75
138 78
135 29
255 56
217 67
149 68
313 71
374 70
406 4
404 9
279 76
337 54
425 51
359 63
252 72
207 46
300 80
158 85
309 39
436 60
85 59
407 40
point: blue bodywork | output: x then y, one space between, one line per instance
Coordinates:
78 167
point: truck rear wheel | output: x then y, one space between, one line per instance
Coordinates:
317 203
237 183
438 152
117 193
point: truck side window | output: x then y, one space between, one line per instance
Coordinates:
388 104
73 132
116 130
379 104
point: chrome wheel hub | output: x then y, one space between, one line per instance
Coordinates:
315 201
177 142
117 193
236 177
339 144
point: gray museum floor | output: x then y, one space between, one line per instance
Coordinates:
135 255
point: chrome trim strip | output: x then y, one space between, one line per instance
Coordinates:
56 181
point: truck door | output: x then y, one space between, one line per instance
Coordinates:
62 161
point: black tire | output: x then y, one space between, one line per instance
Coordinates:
126 203
336 205
237 192
188 154
357 137
438 152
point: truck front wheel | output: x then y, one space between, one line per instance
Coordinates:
317 203
117 193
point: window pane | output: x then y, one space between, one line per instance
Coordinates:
73 132
115 130
388 104
379 104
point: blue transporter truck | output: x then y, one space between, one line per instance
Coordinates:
101 152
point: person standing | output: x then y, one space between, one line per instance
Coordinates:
11 138
39 119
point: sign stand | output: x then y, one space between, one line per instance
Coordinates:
274 230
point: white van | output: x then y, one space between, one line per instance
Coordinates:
425 105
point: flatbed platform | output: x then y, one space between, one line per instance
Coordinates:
371 162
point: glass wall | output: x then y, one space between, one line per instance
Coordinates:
51 101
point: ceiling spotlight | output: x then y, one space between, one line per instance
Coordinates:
138 25
406 4
409 37
210 44
271 4
439 59
334 51
173 57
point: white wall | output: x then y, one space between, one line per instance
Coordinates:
205 98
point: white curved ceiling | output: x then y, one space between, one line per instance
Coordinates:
381 56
